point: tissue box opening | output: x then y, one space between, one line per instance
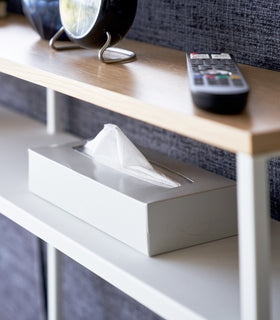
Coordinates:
175 175
149 218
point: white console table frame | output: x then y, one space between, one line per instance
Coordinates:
253 136
253 227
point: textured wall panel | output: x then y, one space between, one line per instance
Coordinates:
88 297
250 29
20 283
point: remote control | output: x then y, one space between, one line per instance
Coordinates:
216 83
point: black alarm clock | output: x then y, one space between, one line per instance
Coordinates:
96 24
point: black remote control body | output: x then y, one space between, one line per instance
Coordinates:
216 82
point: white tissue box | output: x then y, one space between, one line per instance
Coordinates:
149 218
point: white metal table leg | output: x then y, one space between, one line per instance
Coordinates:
54 284
54 125
254 237
53 104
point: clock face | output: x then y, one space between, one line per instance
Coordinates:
78 16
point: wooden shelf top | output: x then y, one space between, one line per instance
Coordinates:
153 89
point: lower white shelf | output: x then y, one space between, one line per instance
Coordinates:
195 283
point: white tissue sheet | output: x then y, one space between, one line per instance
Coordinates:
112 148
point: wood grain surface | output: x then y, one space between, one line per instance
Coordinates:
153 89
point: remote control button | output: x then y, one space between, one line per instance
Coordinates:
210 76
195 69
198 81
220 66
202 68
235 76
196 62
237 82
228 68
223 82
199 56
212 81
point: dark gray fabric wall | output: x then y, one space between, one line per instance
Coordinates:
248 29
20 284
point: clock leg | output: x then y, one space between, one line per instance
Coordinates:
124 55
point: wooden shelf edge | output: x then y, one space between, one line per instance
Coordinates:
154 89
